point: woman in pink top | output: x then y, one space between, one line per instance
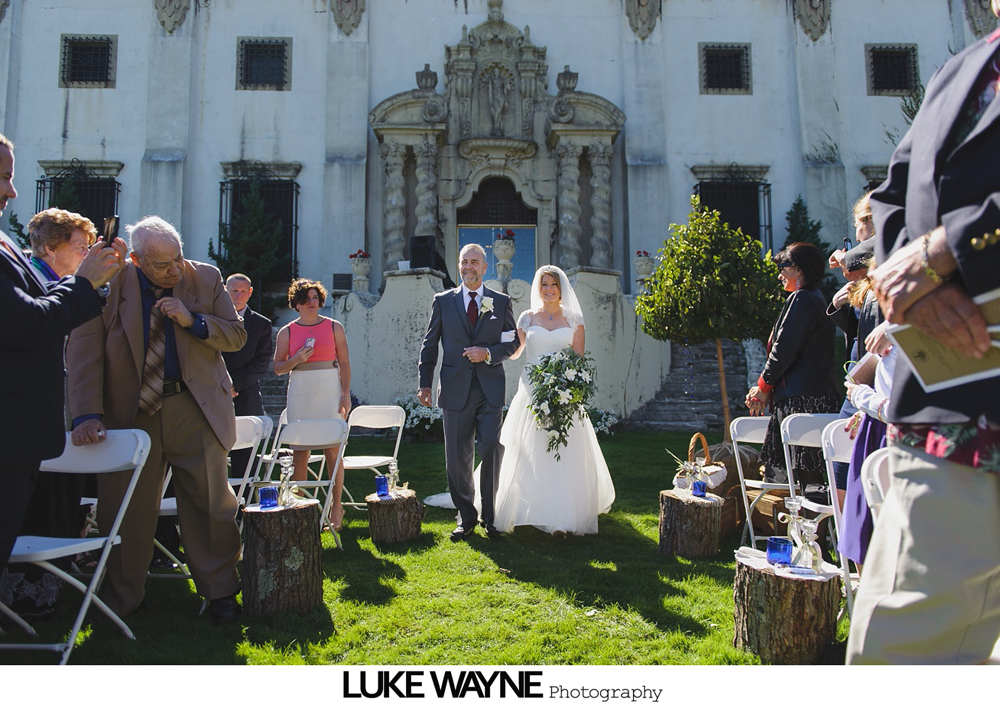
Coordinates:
313 350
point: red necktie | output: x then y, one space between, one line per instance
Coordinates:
473 309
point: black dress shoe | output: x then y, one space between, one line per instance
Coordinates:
460 534
492 532
224 610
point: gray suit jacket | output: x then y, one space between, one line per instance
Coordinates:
449 326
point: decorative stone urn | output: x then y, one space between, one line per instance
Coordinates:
503 250
644 266
361 267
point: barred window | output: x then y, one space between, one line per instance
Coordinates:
88 61
742 201
725 69
89 189
264 64
892 69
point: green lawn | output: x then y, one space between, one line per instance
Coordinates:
528 598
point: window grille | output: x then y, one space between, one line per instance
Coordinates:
742 203
280 198
263 64
88 61
892 69
497 202
79 189
725 69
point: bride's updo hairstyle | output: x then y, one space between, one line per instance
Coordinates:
567 296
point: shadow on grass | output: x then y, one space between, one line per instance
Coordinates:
620 566
354 567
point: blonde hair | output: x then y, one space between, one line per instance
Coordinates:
54 227
863 208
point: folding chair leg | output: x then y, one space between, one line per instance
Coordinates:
16 619
177 561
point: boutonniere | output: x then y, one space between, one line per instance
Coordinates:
487 304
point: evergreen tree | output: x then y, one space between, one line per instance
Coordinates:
711 283
250 244
801 228
16 228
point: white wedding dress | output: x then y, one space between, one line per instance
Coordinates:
535 489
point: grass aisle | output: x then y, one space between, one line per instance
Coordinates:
526 599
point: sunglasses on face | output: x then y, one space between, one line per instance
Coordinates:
783 265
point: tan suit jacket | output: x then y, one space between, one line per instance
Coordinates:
105 356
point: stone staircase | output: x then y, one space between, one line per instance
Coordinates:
690 400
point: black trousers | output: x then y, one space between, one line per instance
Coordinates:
18 483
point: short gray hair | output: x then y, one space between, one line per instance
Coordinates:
473 245
152 228
239 277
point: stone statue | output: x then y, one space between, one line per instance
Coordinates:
496 84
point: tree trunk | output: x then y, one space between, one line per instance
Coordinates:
726 436
689 525
396 519
781 619
282 559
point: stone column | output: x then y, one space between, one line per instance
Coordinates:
600 204
568 157
427 160
394 210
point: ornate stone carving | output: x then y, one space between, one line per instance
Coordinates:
814 16
566 81
568 157
600 204
496 83
435 109
426 211
394 206
982 21
427 80
347 14
642 16
170 13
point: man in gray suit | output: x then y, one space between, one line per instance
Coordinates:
475 327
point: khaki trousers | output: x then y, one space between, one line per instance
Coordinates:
206 506
930 590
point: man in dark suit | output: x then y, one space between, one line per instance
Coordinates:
929 592
248 364
475 328
35 321
153 361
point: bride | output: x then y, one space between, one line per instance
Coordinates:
557 496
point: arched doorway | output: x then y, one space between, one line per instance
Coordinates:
497 209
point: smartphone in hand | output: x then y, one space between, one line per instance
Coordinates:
110 230
310 342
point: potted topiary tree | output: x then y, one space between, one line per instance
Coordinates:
711 283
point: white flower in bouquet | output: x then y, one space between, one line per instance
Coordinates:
571 374
585 376
544 408
565 397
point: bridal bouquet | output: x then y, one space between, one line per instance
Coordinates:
562 384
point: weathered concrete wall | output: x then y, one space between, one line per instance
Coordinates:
384 336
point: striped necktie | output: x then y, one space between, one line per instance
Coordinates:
151 392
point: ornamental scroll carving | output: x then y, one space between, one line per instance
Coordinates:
814 16
347 14
981 17
171 13
642 16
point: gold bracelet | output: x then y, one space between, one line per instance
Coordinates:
925 262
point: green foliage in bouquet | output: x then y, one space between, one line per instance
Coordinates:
562 384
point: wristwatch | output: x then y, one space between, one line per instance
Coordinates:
489 358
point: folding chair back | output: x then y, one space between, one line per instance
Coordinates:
120 451
751 429
375 417
838 446
802 430
875 480
251 433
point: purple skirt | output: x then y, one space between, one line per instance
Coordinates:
856 526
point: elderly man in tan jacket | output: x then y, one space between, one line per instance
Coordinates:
153 361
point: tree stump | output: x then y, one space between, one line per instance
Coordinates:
282 559
395 519
689 525
784 620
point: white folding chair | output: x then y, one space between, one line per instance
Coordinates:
251 433
121 451
751 429
838 446
804 430
271 457
315 435
875 480
375 417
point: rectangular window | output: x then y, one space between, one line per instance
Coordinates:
725 69
264 64
79 189
260 201
743 204
88 61
892 69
